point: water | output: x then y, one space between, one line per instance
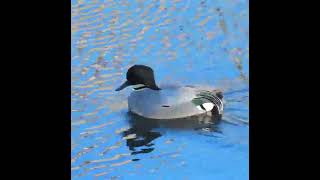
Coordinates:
185 42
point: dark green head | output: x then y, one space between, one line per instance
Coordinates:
140 75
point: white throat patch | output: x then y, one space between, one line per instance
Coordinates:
137 86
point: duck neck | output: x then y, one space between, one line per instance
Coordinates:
144 87
139 88
155 87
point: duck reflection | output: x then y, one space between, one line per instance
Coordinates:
146 130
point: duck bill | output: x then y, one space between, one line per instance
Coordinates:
124 85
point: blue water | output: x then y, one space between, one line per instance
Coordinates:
185 42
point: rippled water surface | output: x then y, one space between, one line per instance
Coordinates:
185 42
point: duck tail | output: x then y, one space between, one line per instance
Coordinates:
217 100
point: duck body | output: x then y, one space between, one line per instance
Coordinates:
169 101
174 102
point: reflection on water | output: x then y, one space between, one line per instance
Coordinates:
185 42
143 131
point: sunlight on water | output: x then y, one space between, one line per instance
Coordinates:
185 42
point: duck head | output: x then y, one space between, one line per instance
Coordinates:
140 76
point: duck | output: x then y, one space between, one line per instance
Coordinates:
168 102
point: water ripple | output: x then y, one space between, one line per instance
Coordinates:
190 42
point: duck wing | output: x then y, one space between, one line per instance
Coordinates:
209 99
